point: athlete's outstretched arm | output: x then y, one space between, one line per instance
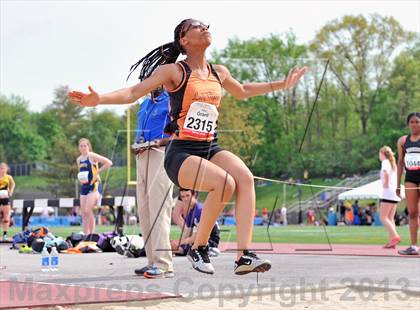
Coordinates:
243 91
162 76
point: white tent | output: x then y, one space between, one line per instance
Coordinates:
368 191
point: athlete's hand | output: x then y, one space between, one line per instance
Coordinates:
398 191
175 245
85 100
294 76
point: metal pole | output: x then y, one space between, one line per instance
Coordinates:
284 195
300 207
128 147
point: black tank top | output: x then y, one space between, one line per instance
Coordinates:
412 158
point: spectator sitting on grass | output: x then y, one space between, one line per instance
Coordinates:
186 214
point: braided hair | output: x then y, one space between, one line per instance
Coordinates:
165 54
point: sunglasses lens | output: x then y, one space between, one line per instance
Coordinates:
193 25
203 25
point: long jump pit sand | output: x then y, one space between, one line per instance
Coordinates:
296 281
354 297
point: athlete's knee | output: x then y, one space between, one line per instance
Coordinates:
247 177
229 185
383 217
244 179
224 183
414 216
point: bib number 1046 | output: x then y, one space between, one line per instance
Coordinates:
412 161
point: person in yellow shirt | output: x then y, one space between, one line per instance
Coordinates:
7 186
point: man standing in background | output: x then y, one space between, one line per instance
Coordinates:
153 184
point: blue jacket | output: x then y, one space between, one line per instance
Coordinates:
152 118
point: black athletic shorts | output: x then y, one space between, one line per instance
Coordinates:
413 178
4 201
387 200
178 150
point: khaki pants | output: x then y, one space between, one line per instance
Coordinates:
154 209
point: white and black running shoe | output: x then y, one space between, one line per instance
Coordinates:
250 262
411 250
199 259
214 252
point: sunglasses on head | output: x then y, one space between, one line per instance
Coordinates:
193 25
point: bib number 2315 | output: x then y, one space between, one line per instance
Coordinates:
201 120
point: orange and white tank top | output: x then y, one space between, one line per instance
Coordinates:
194 105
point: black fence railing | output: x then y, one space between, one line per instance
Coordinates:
22 169
27 169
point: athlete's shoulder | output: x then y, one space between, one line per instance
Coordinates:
221 70
93 157
385 164
170 75
220 67
167 69
402 140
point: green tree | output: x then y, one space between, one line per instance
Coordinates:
279 113
236 130
361 51
48 127
61 171
102 130
19 139
401 97
404 83
69 115
69 124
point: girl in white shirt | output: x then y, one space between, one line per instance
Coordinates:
389 198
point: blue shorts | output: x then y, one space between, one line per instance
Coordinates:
87 189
